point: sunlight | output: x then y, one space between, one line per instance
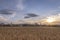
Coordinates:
50 20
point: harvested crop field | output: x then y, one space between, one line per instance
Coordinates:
29 33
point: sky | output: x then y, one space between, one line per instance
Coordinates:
18 9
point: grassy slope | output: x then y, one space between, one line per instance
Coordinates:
29 33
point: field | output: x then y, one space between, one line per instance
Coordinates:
29 33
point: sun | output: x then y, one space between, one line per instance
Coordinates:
50 20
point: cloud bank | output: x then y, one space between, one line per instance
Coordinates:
7 13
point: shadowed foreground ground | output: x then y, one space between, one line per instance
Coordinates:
29 33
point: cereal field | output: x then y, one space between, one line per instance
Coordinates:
29 33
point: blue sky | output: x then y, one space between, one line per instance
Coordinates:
42 8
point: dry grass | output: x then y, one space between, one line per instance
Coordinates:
29 33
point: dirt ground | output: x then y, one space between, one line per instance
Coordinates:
29 33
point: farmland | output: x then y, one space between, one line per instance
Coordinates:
29 33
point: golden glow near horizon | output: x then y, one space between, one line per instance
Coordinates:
50 19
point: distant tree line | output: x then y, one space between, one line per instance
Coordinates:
27 25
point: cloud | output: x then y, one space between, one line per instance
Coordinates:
20 5
32 15
7 13
29 15
55 17
26 17
53 12
14 14
3 20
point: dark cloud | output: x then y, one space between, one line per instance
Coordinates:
6 12
32 15
26 17
29 15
